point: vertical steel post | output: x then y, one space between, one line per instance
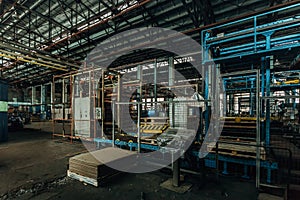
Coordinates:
155 80
72 102
217 109
258 129
102 104
246 176
33 94
171 83
255 33
63 105
113 123
251 99
268 91
224 99
225 172
139 106
53 105
262 71
43 98
51 97
139 127
118 105
206 97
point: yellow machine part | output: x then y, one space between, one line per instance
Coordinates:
296 81
153 129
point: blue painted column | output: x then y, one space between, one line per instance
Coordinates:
225 172
268 92
246 176
269 175
206 97
262 70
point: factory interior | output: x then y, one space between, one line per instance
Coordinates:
150 99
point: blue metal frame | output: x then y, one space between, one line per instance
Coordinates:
253 44
129 144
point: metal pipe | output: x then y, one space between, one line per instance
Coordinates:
5 46
34 50
36 61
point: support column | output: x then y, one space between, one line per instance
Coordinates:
51 96
263 79
224 99
139 106
206 97
118 106
171 83
231 102
245 176
225 172
268 93
155 81
43 98
269 175
258 128
33 99
63 106
33 95
251 99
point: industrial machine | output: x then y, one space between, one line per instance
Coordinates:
259 104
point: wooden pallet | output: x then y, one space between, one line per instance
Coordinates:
84 179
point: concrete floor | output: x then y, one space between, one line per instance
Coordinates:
33 165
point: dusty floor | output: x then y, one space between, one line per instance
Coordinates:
33 166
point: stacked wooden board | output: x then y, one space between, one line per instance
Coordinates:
93 167
239 149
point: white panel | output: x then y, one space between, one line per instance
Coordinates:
82 117
85 106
